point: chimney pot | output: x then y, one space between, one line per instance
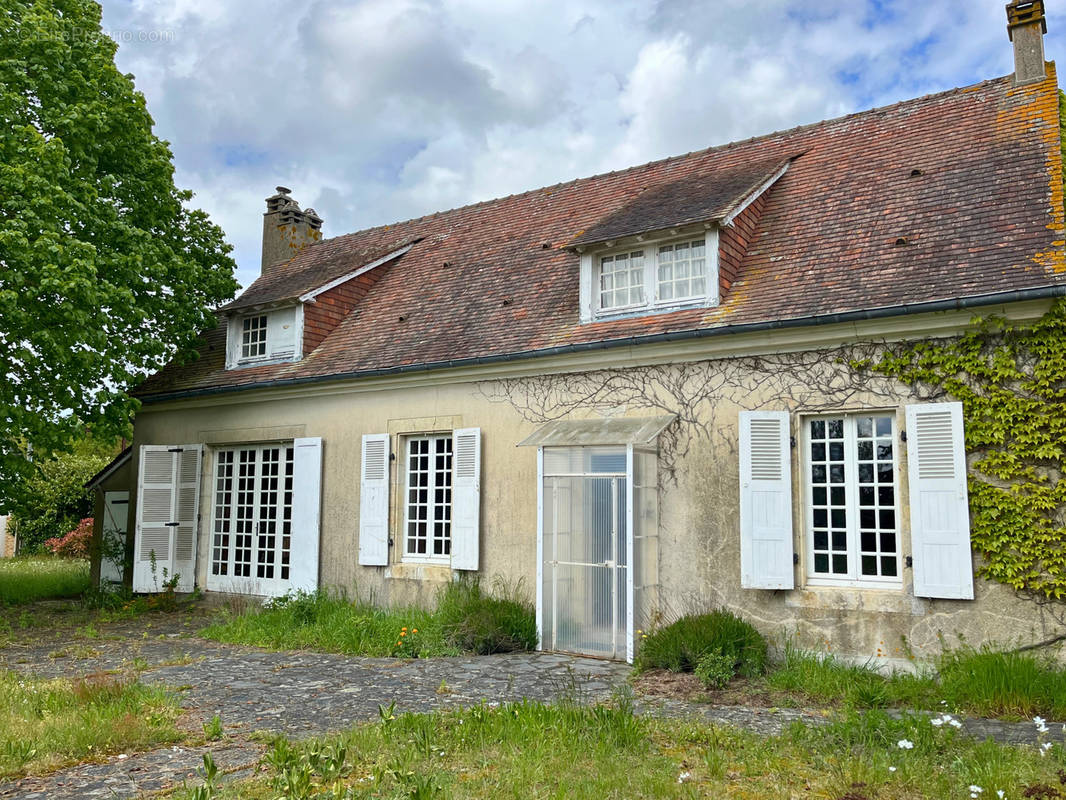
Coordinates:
1026 26
286 229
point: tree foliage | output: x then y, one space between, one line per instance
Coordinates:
105 272
49 502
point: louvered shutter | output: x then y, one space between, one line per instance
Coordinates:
168 488
466 498
374 501
940 516
765 501
306 513
186 514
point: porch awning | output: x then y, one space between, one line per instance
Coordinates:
586 432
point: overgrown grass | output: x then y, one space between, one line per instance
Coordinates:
28 578
467 619
679 646
981 682
566 751
46 724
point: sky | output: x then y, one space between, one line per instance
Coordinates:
376 111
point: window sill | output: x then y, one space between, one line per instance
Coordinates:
419 571
853 598
659 308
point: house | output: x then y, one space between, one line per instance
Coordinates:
627 392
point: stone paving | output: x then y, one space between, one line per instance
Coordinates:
301 694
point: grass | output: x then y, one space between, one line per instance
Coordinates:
47 724
532 750
467 619
28 578
982 682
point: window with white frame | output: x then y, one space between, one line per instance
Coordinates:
252 527
254 337
622 280
852 499
428 504
681 270
662 275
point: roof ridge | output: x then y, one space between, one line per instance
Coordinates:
718 147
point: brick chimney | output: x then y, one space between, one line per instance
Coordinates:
1026 27
287 229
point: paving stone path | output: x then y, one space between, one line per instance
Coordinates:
301 694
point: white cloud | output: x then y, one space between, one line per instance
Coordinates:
380 110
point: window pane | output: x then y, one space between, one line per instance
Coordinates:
680 271
840 565
429 495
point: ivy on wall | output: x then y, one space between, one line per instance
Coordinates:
1011 380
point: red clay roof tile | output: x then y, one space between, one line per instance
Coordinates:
946 196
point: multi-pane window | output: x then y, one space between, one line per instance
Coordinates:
656 276
852 498
681 271
622 280
252 533
254 336
428 506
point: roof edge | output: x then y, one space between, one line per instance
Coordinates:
929 306
110 469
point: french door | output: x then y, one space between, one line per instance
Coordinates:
251 545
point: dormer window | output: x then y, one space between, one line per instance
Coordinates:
653 276
254 337
264 337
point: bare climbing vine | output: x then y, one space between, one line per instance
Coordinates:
704 395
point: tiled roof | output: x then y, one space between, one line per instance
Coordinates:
694 198
947 196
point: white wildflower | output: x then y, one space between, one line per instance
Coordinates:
122 756
975 789
905 744
891 769
1000 794
936 723
954 723
684 776
1044 748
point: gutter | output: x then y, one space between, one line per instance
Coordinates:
957 304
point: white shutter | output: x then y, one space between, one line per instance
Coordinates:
186 514
374 501
940 515
168 488
466 497
306 513
765 501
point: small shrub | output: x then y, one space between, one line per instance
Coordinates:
679 646
75 543
715 669
477 622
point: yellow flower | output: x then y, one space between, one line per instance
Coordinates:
403 633
399 643
403 628
414 630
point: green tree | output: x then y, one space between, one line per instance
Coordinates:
106 273
52 500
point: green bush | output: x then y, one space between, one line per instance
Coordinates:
715 669
477 622
50 503
680 646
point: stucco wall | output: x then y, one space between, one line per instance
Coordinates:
699 530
